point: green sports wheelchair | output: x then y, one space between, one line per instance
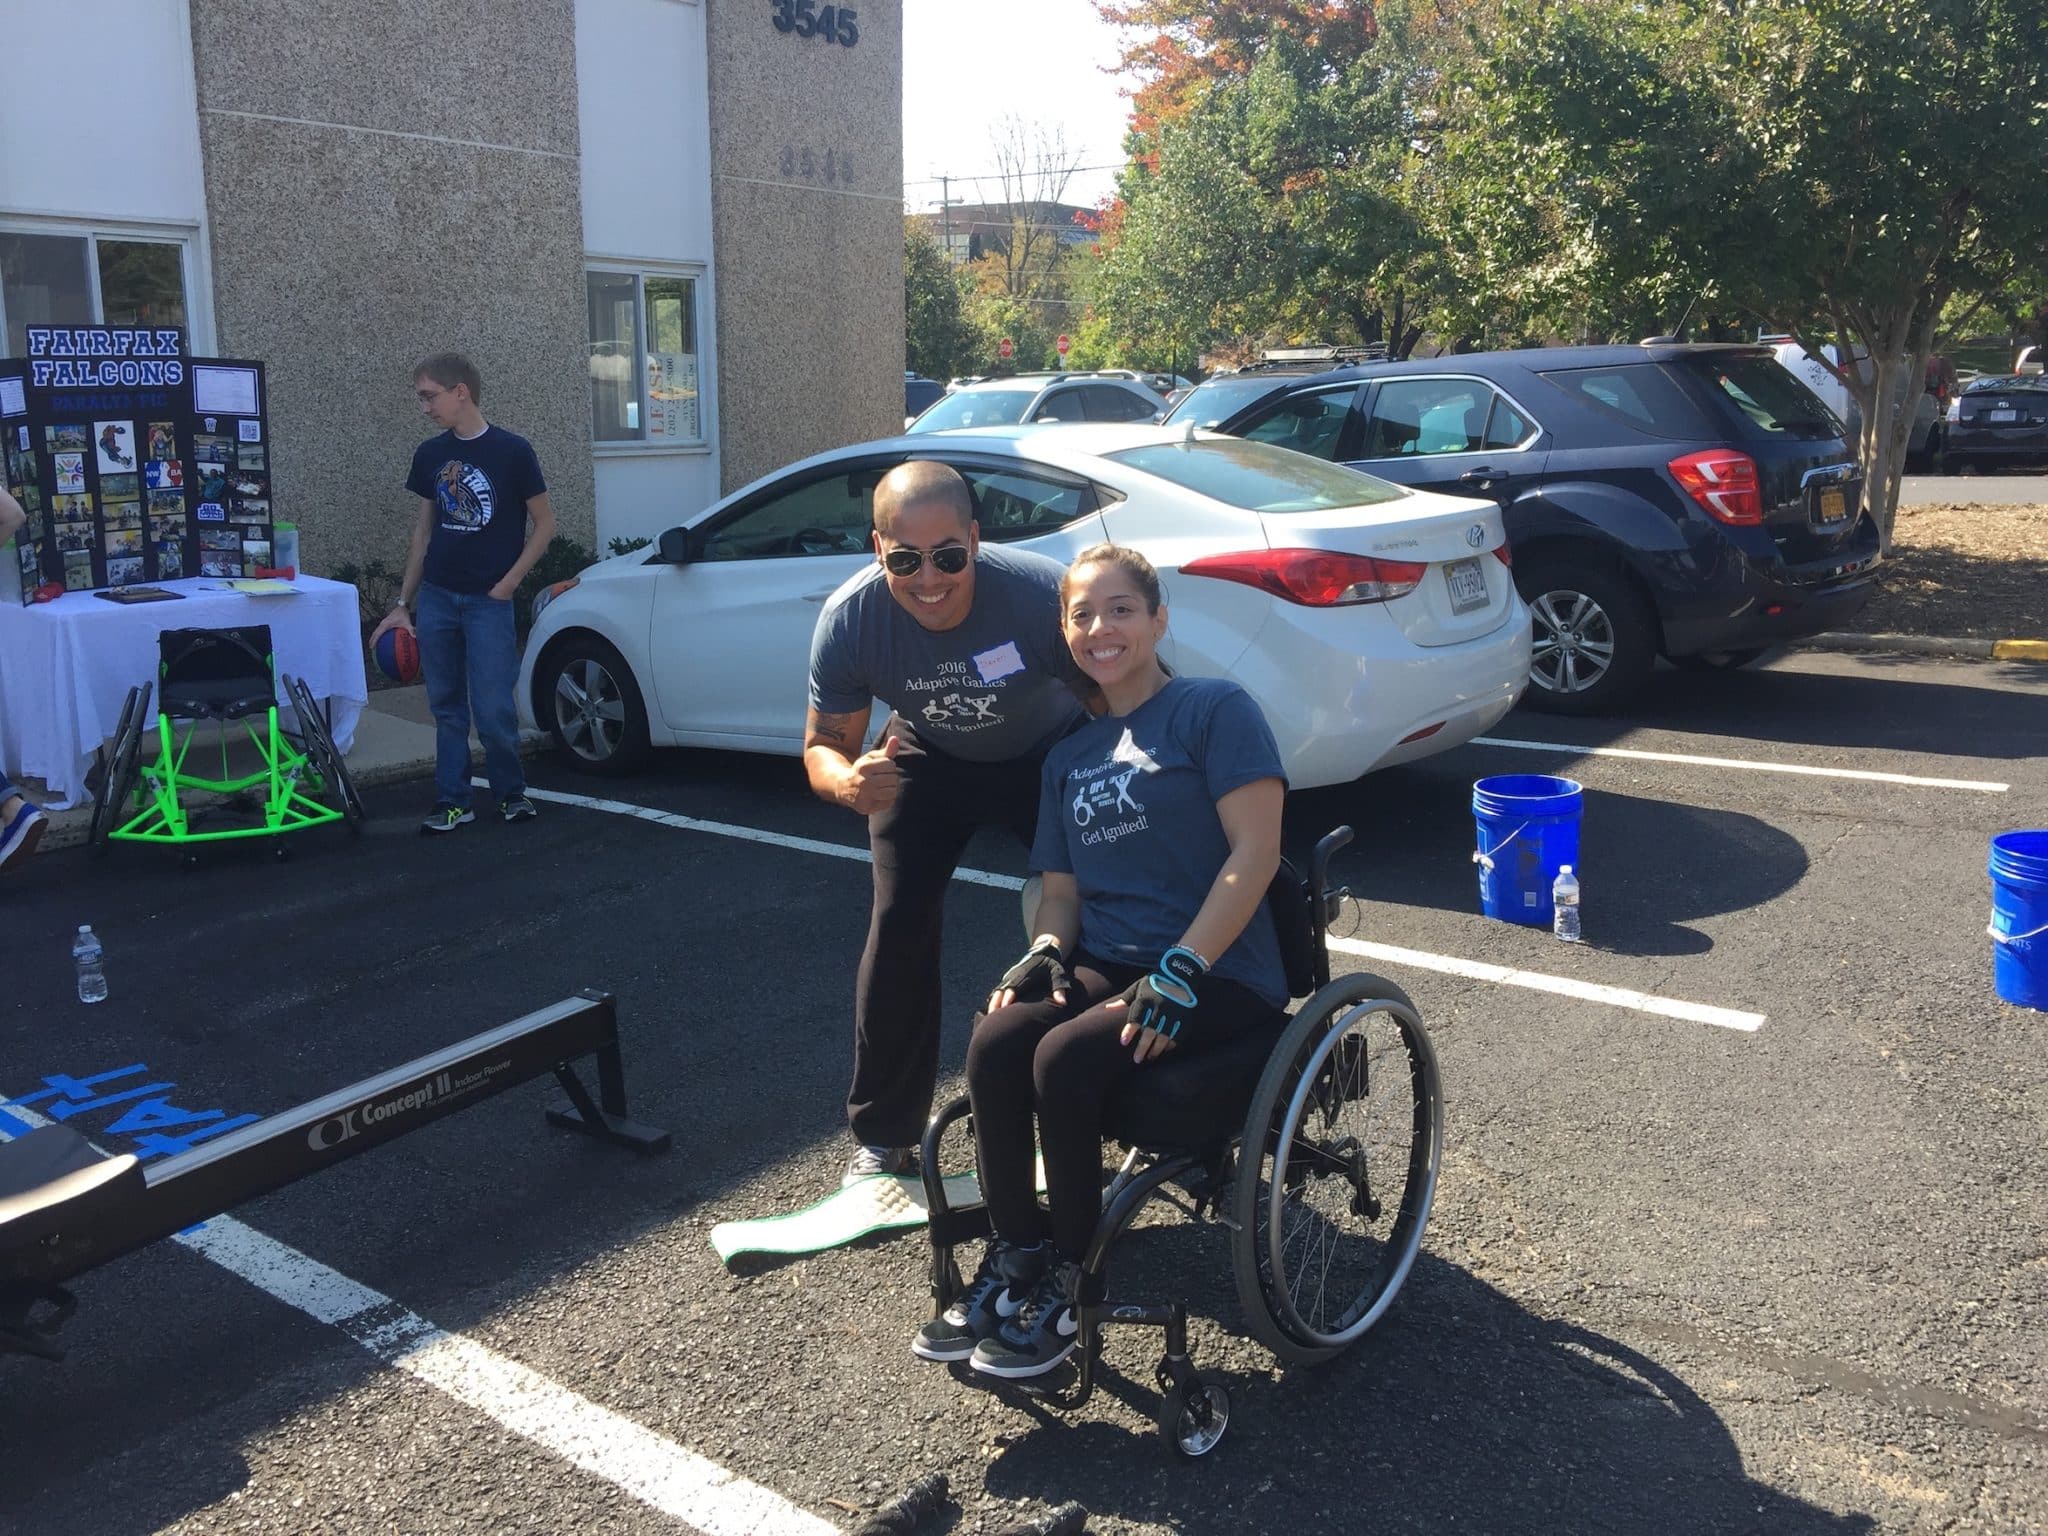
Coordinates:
1316 1145
220 675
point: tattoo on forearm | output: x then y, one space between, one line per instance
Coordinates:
825 731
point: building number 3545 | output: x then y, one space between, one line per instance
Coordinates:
834 24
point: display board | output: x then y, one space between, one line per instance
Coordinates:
135 461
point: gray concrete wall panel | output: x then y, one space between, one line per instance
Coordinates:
809 250
357 222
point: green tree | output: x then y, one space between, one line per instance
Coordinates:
1834 169
938 339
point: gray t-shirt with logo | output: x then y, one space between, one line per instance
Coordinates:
1128 808
992 688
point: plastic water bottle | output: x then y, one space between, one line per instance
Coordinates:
1564 905
88 953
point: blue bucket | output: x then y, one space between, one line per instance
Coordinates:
1528 829
2019 917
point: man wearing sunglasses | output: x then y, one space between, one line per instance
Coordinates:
963 644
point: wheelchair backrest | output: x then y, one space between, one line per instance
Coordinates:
214 673
1292 904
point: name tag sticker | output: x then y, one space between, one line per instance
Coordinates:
999 663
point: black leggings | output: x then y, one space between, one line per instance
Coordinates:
1064 1062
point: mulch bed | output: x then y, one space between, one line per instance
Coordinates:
1973 572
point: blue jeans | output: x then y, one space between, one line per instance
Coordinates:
471 659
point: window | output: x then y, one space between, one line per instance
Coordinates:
1307 423
832 515
1014 504
1640 395
1424 416
89 278
645 361
1110 402
1507 427
977 408
1258 477
1060 405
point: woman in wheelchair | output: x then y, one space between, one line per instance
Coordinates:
1158 834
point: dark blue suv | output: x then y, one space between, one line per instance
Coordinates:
1697 502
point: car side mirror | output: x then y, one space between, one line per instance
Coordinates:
675 547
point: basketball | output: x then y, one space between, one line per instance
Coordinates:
398 656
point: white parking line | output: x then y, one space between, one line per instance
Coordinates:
1981 786
1478 970
654 1470
1563 986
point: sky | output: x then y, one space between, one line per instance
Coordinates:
969 64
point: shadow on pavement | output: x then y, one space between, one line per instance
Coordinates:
1462 1411
1658 866
1970 717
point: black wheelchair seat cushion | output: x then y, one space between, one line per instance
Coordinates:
215 674
1189 1101
50 1179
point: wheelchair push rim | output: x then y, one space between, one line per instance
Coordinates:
1347 1128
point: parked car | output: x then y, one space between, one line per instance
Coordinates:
918 394
1035 398
1373 624
1999 421
1693 501
1924 438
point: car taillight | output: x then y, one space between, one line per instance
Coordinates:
1504 555
1723 482
1315 578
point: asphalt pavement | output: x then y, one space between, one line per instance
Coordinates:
1770 1260
2019 488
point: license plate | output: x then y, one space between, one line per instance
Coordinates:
2003 415
1468 585
1834 505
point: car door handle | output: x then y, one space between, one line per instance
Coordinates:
820 595
1477 477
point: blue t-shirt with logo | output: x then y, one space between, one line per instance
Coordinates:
479 488
992 688
1128 808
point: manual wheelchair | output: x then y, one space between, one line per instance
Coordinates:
1272 1136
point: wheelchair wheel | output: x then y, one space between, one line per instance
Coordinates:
117 782
1337 1169
1193 1419
326 757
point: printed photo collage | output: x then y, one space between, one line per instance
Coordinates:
231 496
127 505
24 485
118 514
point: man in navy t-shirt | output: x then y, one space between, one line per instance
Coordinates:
484 519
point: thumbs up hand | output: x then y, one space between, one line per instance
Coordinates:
873 780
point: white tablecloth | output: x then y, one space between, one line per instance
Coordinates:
66 667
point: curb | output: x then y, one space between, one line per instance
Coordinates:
1929 645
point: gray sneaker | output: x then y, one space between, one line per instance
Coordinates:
1041 1335
867 1162
1001 1287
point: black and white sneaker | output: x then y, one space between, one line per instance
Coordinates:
1001 1287
867 1162
517 808
1041 1335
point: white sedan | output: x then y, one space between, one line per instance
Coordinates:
1374 624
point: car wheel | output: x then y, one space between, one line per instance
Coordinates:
1719 661
589 703
1594 637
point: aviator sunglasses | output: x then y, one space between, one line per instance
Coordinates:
950 558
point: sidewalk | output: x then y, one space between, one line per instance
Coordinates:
394 740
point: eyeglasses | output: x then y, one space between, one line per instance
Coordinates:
951 559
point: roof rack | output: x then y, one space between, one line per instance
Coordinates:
1330 357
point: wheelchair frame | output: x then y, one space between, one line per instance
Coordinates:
291 764
1315 1065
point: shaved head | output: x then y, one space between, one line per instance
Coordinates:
921 482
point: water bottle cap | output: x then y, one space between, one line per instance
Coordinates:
1564 869
85 927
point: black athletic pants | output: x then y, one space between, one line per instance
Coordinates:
916 844
1064 1062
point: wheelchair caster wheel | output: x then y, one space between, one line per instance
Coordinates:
1193 1419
